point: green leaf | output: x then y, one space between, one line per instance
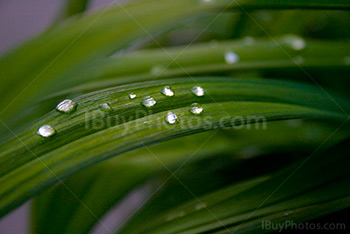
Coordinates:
208 58
73 7
32 163
78 41
93 188
44 61
282 197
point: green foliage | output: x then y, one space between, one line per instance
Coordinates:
275 116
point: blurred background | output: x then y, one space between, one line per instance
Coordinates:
23 19
20 20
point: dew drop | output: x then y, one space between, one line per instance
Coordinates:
198 91
231 57
167 91
175 215
158 69
149 101
171 118
46 131
200 206
248 41
132 95
105 107
67 106
196 109
297 43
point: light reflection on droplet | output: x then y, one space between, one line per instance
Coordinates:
46 131
196 109
67 106
198 91
167 91
132 95
171 118
231 57
149 101
105 107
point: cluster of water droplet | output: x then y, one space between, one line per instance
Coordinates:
68 106
172 118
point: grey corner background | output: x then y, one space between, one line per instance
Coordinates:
22 19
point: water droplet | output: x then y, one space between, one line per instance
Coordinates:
231 57
198 91
200 206
171 118
105 107
132 95
175 215
347 60
196 109
167 91
248 41
66 106
149 101
297 43
46 131
158 69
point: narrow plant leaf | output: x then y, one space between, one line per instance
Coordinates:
73 7
73 43
32 163
298 186
112 180
293 216
77 41
209 58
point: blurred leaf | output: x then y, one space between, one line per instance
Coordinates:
44 60
87 52
73 7
280 198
